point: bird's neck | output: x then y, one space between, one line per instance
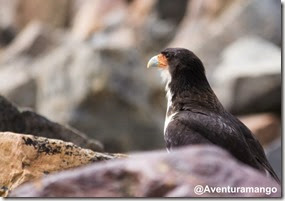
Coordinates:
188 95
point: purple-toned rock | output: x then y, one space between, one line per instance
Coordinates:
158 174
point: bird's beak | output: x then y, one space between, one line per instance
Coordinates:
158 61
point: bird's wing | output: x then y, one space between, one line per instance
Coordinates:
199 127
257 150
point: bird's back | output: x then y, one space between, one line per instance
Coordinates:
200 126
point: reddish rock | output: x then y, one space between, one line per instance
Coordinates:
154 174
266 126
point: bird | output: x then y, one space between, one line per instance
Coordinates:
195 115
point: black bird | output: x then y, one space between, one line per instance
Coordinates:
196 116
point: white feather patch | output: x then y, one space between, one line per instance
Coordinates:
168 119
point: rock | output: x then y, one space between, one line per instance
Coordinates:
28 122
159 25
26 157
274 154
19 13
109 39
81 84
101 92
22 89
7 34
248 80
93 16
8 12
210 26
53 12
266 126
154 174
17 61
33 41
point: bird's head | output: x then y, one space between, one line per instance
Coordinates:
180 63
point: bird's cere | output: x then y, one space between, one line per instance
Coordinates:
158 61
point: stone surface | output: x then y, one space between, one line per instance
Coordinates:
31 42
8 12
87 86
266 126
7 34
25 157
17 59
23 89
158 25
154 174
53 12
248 79
93 16
28 122
102 93
211 25
274 155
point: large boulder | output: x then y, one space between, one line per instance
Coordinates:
53 12
26 157
17 59
248 79
102 92
158 174
93 16
265 126
211 25
87 86
28 122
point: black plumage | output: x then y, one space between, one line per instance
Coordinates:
196 116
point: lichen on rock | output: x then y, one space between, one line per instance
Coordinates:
27 157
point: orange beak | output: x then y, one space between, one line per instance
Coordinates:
159 61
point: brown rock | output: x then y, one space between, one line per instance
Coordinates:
52 12
29 122
266 126
154 174
26 157
93 16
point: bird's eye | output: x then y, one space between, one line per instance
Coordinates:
167 56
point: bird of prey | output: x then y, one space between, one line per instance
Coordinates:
195 115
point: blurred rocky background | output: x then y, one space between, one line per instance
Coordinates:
82 64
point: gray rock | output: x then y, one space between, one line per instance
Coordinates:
28 122
248 79
274 155
22 88
102 92
156 174
208 32
31 42
17 61
161 25
7 34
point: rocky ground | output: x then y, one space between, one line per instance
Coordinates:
27 157
155 174
75 72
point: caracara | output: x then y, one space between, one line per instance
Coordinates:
196 116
